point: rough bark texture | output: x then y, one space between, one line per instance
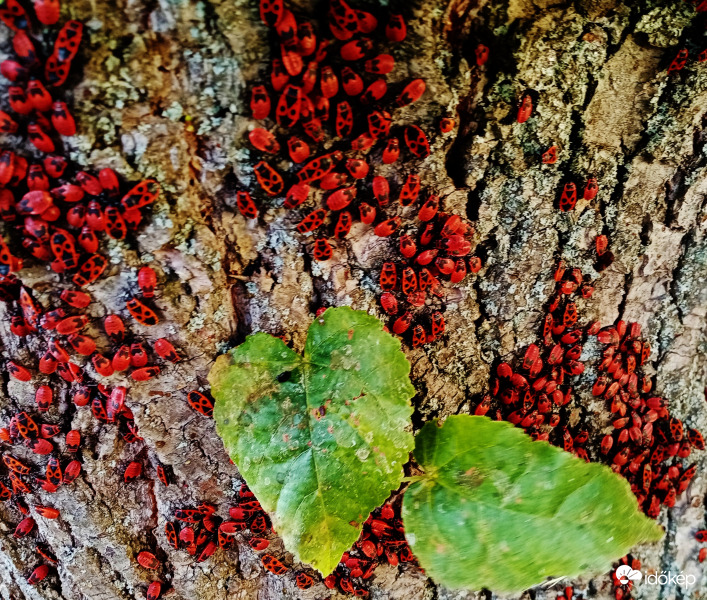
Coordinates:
604 97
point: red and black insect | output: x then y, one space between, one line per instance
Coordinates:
166 350
550 156
679 61
188 515
90 270
296 195
416 141
268 179
358 168
298 149
87 240
200 403
71 471
75 298
24 528
412 92
318 167
344 119
264 141
410 190
40 446
98 409
132 472
340 199
47 512
148 560
260 102
379 124
271 12
304 581
145 373
568 198
162 475
39 138
73 441
343 224
322 250
396 30
116 227
172 533
438 324
391 153
70 325
115 328
46 553
312 221
141 312
381 190
273 565
15 465
138 356
402 323
14 16
143 194
18 371
388 227
43 398
38 575
525 110
154 590
446 125
419 337
287 111
408 280
353 84
26 426
246 206
388 276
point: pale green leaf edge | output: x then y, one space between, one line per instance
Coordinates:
456 576
401 370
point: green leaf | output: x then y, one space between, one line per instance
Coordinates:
322 438
497 510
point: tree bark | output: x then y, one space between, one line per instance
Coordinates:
163 91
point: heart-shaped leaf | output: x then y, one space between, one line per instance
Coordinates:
497 510
322 438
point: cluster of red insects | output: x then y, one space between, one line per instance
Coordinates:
533 396
645 436
200 531
56 214
382 538
321 82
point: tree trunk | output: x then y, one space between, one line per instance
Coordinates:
163 90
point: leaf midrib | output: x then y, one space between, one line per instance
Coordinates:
307 366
